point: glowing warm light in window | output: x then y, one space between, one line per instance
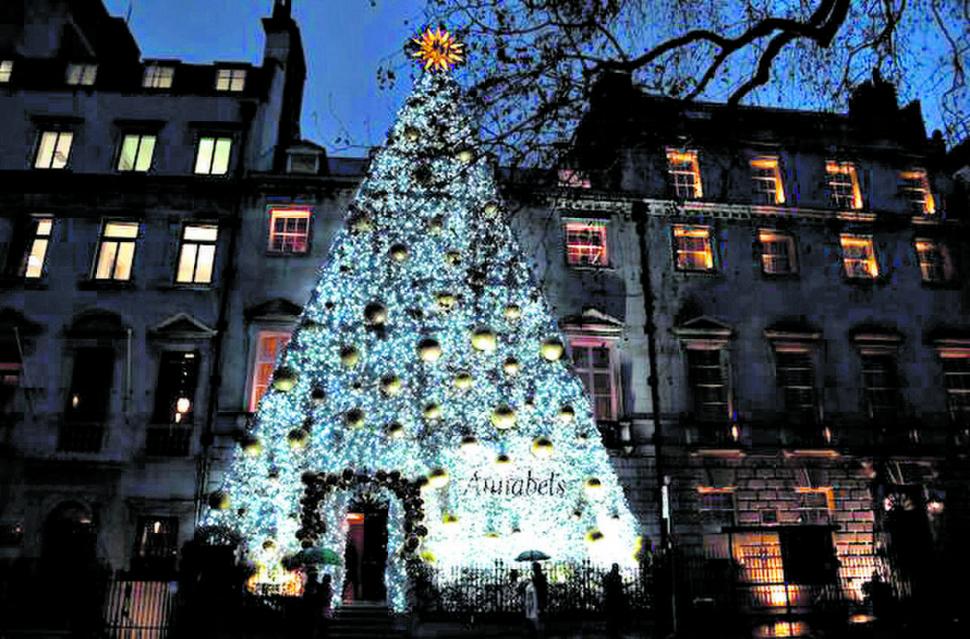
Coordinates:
844 184
37 249
573 179
136 153
82 75
213 156
933 262
777 252
594 361
6 70
54 150
117 251
197 254
269 344
158 77
586 244
766 180
232 80
859 256
685 172
355 518
289 230
915 188
692 248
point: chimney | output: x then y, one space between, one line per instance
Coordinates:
284 55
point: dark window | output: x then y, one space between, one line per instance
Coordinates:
956 379
10 367
178 375
708 385
796 379
87 399
881 383
716 507
156 547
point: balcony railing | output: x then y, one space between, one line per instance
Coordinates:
168 441
80 437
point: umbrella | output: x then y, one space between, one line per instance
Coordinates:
532 555
308 556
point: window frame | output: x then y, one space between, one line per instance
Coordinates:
872 259
801 507
778 236
926 207
946 267
216 137
154 76
102 239
57 131
140 135
702 509
588 374
724 367
959 410
712 260
183 241
85 74
306 212
836 168
7 66
144 562
252 385
591 226
684 157
767 163
231 79
35 220
807 349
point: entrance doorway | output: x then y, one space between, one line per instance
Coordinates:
365 556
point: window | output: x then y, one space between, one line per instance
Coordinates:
594 362
586 243
10 367
90 390
158 76
303 163
795 373
859 256
915 188
213 156
843 180
708 385
766 181
38 241
82 75
116 252
269 344
178 375
777 252
54 149
716 506
956 381
156 546
289 231
685 173
6 71
814 505
197 254
573 179
136 153
934 260
233 80
880 381
692 248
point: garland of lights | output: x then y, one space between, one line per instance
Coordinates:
427 369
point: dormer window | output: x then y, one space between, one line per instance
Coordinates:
915 187
158 76
685 173
766 182
231 80
303 162
81 74
6 71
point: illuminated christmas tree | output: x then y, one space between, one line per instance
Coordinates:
427 372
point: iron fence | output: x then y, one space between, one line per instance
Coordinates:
139 609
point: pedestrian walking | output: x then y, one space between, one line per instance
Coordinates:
614 601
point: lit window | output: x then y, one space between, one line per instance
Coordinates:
956 381
716 506
880 381
178 375
795 373
859 256
843 182
766 181
692 248
213 156
116 252
197 254
136 152
289 230
82 75
573 179
38 241
269 344
54 150
158 77
708 384
814 505
233 80
594 362
777 252
934 260
915 187
685 173
586 244
6 70
156 547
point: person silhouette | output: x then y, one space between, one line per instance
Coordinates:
614 604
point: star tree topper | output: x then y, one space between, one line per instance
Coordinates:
438 50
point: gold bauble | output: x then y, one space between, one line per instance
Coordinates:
566 414
318 395
453 258
395 430
465 155
542 447
349 356
491 208
445 300
552 349
363 224
503 417
219 500
284 379
502 459
511 366
412 133
391 385
398 252
375 314
513 311
269 544
252 447
429 350
354 418
438 478
297 438
463 380
449 519
593 535
436 225
484 340
469 442
431 411
593 485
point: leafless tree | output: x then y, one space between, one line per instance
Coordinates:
531 63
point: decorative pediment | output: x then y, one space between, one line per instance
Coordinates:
278 309
181 326
97 323
872 339
704 326
592 321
